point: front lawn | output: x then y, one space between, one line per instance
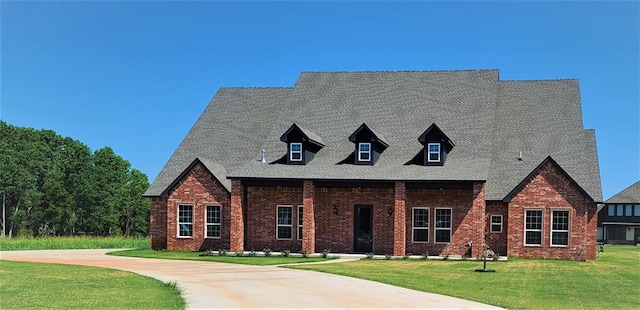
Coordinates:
68 243
54 286
611 282
275 259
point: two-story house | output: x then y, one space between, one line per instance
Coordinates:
619 219
387 163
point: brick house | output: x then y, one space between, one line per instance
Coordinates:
388 163
619 219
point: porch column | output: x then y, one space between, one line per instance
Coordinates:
479 214
308 218
399 220
236 218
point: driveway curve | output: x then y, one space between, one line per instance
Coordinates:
210 285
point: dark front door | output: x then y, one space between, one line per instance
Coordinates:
636 237
363 229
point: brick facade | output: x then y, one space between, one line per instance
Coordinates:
549 190
249 217
199 189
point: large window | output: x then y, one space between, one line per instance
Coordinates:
300 221
364 152
284 225
533 227
214 221
185 220
560 227
295 151
434 152
443 225
420 224
616 233
496 223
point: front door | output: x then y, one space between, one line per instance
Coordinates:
363 229
637 235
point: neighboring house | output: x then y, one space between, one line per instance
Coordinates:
619 219
388 163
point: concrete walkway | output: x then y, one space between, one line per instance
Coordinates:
224 286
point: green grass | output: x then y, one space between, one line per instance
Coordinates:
54 286
64 243
230 258
611 282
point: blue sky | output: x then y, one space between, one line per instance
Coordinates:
135 76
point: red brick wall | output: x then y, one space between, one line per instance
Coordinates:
260 222
198 188
497 241
158 223
400 219
236 234
335 232
465 219
547 190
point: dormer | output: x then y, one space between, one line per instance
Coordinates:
302 145
368 145
436 146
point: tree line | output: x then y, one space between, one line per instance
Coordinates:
50 185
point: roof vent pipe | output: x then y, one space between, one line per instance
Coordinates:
520 156
263 156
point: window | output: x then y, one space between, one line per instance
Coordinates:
185 221
496 223
300 220
420 224
295 151
443 225
637 210
627 210
434 152
213 220
284 224
533 227
616 233
619 210
364 152
612 210
560 227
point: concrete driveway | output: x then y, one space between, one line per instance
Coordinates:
224 286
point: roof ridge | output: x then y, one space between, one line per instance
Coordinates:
402 71
540 80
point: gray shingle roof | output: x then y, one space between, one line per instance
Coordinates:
630 194
489 120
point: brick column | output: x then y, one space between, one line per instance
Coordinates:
479 212
399 220
308 218
236 219
158 223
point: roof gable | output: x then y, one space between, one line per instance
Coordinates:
310 136
435 131
630 194
536 170
365 129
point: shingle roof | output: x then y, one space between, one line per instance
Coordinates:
490 121
630 194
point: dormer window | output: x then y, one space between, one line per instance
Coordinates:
433 152
368 145
436 147
302 145
295 151
364 152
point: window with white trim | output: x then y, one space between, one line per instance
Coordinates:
420 224
560 227
533 227
185 221
295 151
213 219
284 225
433 151
496 224
442 222
364 151
300 221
